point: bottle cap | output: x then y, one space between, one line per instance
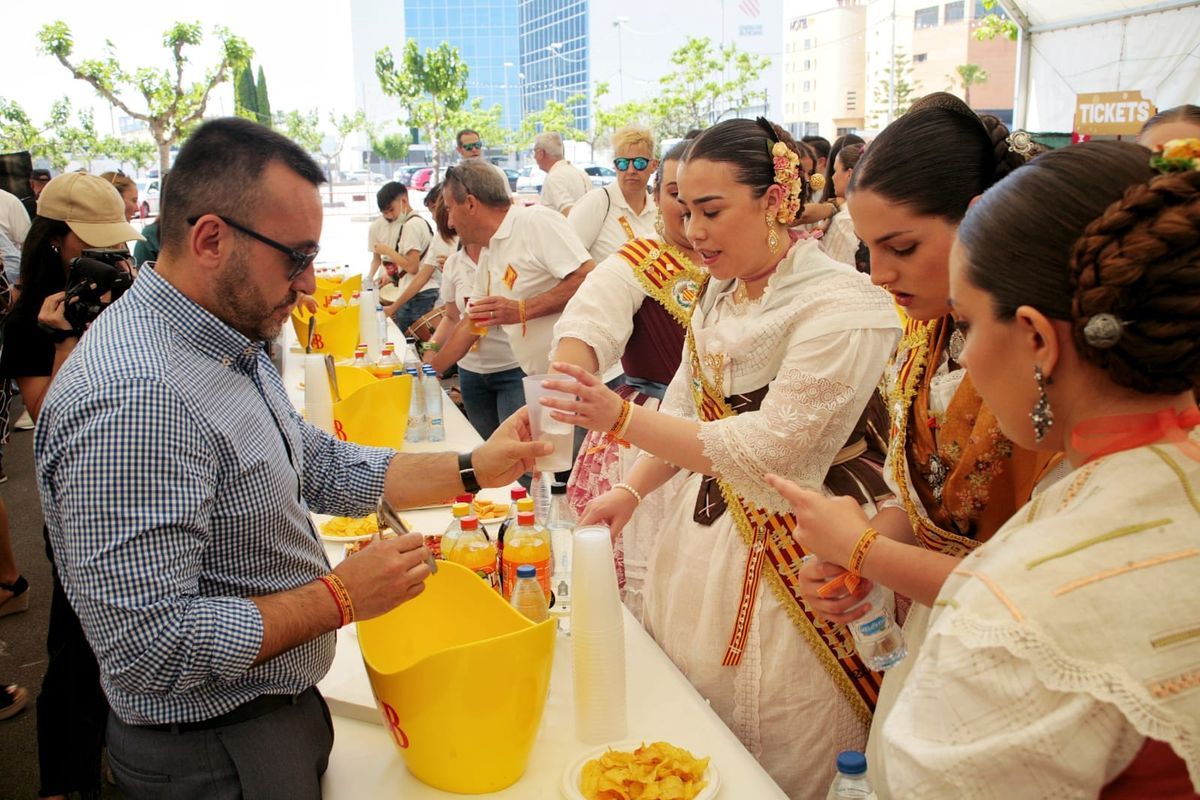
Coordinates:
466 497
469 523
525 504
558 488
524 517
517 493
460 510
851 762
527 571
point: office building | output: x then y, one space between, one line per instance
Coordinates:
825 67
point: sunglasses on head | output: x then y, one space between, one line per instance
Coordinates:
472 146
301 259
638 163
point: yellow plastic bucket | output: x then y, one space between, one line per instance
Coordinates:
460 678
328 287
335 333
373 411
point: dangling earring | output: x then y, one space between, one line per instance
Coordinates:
1042 415
772 235
659 225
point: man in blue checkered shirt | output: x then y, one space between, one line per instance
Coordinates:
177 480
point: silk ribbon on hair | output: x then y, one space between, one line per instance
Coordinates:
1106 435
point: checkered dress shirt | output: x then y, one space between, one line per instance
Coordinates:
176 481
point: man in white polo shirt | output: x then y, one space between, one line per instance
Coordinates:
530 266
470 148
565 183
604 221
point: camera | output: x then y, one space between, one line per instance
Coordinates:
93 275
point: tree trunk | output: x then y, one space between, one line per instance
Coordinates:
164 157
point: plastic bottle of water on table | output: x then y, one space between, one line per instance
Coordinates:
431 387
851 782
415 432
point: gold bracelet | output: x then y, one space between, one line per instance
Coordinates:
624 428
859 554
636 494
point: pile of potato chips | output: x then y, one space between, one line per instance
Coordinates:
488 511
659 771
351 526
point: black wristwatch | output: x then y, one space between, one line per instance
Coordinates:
467 473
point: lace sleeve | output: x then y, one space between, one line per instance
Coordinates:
808 413
977 722
678 400
600 314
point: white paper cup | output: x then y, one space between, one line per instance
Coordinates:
597 638
547 429
318 400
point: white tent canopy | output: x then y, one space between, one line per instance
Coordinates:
1072 47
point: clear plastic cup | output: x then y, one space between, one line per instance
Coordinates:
547 429
476 328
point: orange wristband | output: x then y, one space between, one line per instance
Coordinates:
521 314
340 596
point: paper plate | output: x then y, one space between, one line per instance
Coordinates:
321 519
570 781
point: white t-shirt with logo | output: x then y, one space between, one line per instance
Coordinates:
531 252
600 219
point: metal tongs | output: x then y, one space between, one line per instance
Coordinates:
388 518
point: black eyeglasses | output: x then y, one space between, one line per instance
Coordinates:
472 146
302 259
639 163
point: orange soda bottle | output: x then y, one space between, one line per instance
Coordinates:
526 545
475 552
386 364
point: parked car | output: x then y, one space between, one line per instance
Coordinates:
513 175
362 176
531 179
405 174
422 179
148 197
601 176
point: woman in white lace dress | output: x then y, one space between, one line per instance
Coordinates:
783 352
1062 658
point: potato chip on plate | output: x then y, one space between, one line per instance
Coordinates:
636 770
350 529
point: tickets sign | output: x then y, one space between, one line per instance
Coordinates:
1112 113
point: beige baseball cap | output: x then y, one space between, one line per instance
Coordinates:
90 206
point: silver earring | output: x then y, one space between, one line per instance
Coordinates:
1041 415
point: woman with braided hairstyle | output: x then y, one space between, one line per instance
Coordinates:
1063 656
783 350
956 477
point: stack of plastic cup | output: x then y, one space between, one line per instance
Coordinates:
597 638
318 399
368 325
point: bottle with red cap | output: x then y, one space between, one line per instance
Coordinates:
526 544
475 552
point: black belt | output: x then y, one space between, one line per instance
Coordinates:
252 709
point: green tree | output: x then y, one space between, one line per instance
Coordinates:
138 153
81 141
896 93
966 76
606 121
19 132
263 99
245 98
707 83
306 130
554 116
430 86
486 121
391 146
172 107
994 24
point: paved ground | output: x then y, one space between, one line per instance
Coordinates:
22 636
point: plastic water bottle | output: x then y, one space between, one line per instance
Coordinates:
562 529
416 411
540 489
527 596
879 640
382 322
851 782
432 388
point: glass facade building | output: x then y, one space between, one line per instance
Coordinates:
486 35
555 57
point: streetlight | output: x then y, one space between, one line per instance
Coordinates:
619 23
553 49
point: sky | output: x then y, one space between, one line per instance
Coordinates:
303 47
